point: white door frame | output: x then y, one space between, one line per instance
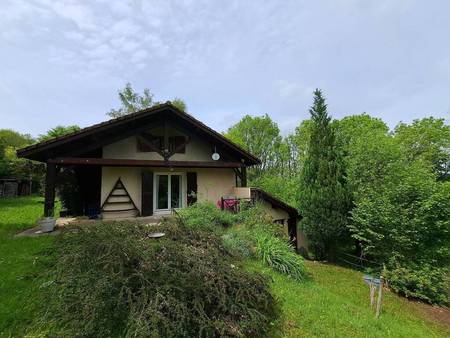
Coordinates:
155 191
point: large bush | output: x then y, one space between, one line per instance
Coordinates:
253 235
420 281
206 216
111 279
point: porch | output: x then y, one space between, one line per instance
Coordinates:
115 188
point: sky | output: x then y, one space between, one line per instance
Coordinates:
63 62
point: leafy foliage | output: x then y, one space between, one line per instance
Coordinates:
420 281
58 131
111 279
18 168
324 201
279 255
427 139
252 234
68 191
206 216
260 136
238 244
405 221
14 139
401 215
132 102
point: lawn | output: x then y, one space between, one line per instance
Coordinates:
332 303
17 262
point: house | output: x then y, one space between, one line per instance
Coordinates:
151 162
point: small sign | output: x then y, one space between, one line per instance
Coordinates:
371 280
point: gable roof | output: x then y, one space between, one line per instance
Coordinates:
124 126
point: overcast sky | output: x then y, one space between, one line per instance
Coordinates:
62 62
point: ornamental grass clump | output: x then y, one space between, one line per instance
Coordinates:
279 255
112 279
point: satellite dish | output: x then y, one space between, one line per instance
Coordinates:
215 156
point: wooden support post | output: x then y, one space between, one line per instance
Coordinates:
50 178
372 295
380 296
244 177
292 230
222 204
166 141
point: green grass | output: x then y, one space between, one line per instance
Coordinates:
334 302
17 262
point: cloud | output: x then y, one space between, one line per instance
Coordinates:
227 58
73 11
288 90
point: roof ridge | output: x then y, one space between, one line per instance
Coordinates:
181 113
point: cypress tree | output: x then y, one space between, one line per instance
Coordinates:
324 201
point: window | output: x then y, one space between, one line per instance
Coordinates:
175 142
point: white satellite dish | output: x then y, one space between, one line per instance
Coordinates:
215 156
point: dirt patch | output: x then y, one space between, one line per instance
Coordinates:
437 314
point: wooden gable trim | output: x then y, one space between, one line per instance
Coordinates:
110 162
84 137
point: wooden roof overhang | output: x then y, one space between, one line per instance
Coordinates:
275 202
113 162
87 140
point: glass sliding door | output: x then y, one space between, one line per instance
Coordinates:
168 189
162 184
175 191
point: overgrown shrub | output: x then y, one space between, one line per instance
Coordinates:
111 279
253 214
238 244
279 255
424 282
206 216
254 234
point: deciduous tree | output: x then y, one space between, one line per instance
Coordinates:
261 137
132 102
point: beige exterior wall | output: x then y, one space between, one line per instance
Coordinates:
242 192
127 149
276 213
131 178
212 183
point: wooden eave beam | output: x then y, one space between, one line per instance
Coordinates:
102 141
110 162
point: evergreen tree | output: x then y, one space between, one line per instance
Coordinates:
324 201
